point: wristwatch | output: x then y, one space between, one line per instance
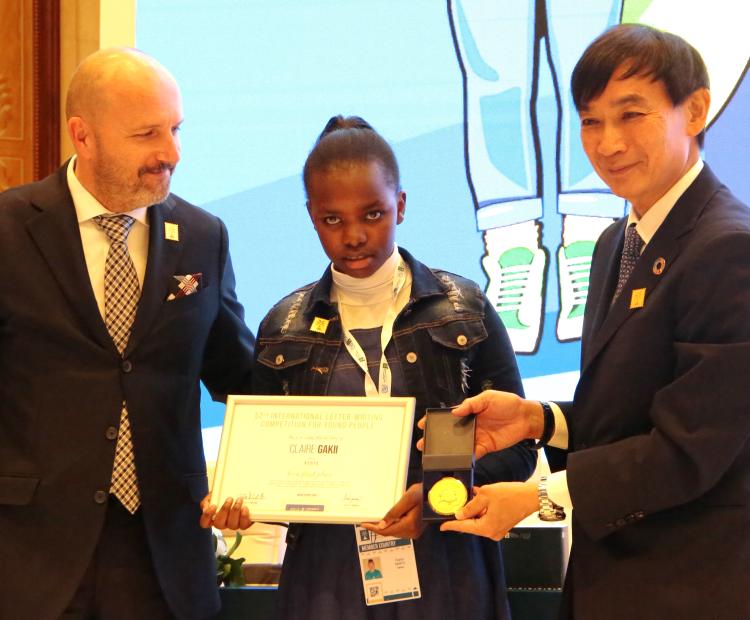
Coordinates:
548 510
548 428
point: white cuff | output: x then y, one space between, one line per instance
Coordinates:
560 437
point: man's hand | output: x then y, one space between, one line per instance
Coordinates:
503 419
232 515
405 518
495 509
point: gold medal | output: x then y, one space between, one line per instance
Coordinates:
447 495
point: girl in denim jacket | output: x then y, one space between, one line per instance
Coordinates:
447 343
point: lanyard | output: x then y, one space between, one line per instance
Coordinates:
355 350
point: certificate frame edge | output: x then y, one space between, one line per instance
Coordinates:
226 429
408 412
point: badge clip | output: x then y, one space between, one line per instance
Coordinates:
637 298
319 325
171 231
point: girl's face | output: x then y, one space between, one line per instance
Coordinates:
355 209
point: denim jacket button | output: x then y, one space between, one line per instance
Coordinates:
411 357
461 340
279 359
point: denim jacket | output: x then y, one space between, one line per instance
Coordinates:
448 337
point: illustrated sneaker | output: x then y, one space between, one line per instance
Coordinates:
574 264
516 286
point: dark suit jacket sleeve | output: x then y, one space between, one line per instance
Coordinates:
700 419
227 362
557 458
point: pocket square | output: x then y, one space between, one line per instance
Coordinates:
182 286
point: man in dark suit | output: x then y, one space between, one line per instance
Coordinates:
116 299
658 458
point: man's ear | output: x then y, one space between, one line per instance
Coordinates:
696 107
80 135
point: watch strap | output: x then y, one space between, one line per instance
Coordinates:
548 510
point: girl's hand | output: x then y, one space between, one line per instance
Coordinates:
404 520
232 515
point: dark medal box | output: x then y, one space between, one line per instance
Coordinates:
447 464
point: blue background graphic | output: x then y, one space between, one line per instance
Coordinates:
261 78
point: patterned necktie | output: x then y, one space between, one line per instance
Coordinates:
631 250
121 293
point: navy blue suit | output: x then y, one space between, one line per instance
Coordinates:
62 383
659 467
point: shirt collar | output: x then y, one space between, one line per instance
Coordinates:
383 277
655 216
88 207
424 283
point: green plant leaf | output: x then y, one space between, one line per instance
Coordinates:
228 569
236 576
237 541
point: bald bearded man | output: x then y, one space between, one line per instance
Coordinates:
116 299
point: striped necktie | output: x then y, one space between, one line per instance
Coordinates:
631 251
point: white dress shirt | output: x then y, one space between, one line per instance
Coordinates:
557 483
96 242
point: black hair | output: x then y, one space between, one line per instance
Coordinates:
645 51
350 139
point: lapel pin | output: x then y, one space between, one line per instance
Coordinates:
637 298
659 265
171 231
319 325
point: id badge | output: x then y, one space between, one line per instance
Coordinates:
388 567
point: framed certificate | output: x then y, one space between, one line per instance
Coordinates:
315 459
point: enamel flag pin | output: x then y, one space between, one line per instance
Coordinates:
637 298
319 325
171 231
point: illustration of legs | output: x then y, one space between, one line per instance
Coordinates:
499 46
584 200
496 45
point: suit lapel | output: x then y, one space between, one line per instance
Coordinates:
644 278
163 255
602 283
665 246
56 233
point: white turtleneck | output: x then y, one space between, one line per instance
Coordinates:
365 301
